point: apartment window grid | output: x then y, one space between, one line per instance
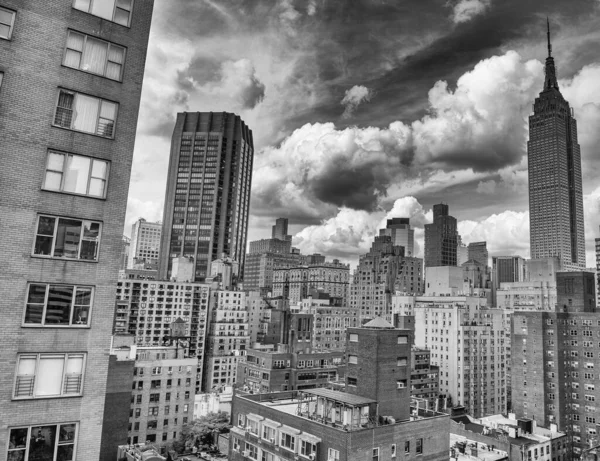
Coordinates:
76 174
93 55
52 442
118 11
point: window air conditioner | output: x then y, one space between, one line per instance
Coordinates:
272 440
312 457
246 453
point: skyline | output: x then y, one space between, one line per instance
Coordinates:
468 150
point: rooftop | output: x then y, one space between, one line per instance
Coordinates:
341 397
378 322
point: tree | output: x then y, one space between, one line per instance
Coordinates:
201 431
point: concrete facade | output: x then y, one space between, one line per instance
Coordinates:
144 247
441 239
43 130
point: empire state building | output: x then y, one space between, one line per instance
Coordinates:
555 191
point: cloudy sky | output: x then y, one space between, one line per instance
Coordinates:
367 109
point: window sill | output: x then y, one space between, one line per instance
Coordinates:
74 194
84 132
64 66
101 18
58 258
62 327
46 397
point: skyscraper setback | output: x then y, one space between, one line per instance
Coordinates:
554 165
208 191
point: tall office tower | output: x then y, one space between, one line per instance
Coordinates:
597 242
507 269
145 244
71 78
381 272
441 238
554 165
280 230
208 192
477 251
555 361
401 233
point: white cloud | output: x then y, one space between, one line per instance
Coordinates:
353 97
311 9
486 187
465 10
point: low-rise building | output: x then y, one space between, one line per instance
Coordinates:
162 394
497 437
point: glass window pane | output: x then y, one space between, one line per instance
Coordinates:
37 294
18 438
77 174
46 225
49 378
99 169
89 244
81 309
6 17
67 433
97 187
73 59
125 4
65 452
41 443
4 31
86 113
122 17
56 161
43 241
83 5
113 71
27 365
68 234
75 41
109 110
115 54
58 310
103 8
75 364
52 180
94 56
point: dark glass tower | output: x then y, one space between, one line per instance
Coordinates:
441 238
208 191
555 190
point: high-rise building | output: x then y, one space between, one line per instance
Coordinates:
280 230
597 242
507 269
145 245
441 238
555 361
71 77
208 192
380 273
554 166
401 233
477 251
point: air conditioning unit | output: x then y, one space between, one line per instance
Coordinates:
246 453
312 456
272 440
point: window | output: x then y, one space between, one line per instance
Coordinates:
1 78
288 441
353 337
58 305
402 361
419 448
53 442
88 114
75 174
152 411
94 55
333 455
352 359
154 397
269 433
402 339
407 446
156 370
401 384
49 375
7 21
152 424
375 454
67 238
251 451
307 448
241 420
393 451
118 11
351 381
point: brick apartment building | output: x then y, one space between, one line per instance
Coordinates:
374 420
162 395
556 361
70 82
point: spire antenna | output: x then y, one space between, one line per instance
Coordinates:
549 44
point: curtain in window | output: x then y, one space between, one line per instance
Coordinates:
77 174
94 56
86 113
115 62
58 309
68 235
74 49
49 375
103 8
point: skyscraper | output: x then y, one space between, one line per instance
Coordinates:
71 78
208 191
478 252
401 233
280 230
145 244
554 165
441 238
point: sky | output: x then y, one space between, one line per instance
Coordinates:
362 110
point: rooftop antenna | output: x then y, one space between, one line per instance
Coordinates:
549 44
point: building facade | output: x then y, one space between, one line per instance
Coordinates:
441 238
162 397
296 283
259 267
554 168
478 251
208 192
555 362
401 233
67 136
424 378
147 309
145 245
